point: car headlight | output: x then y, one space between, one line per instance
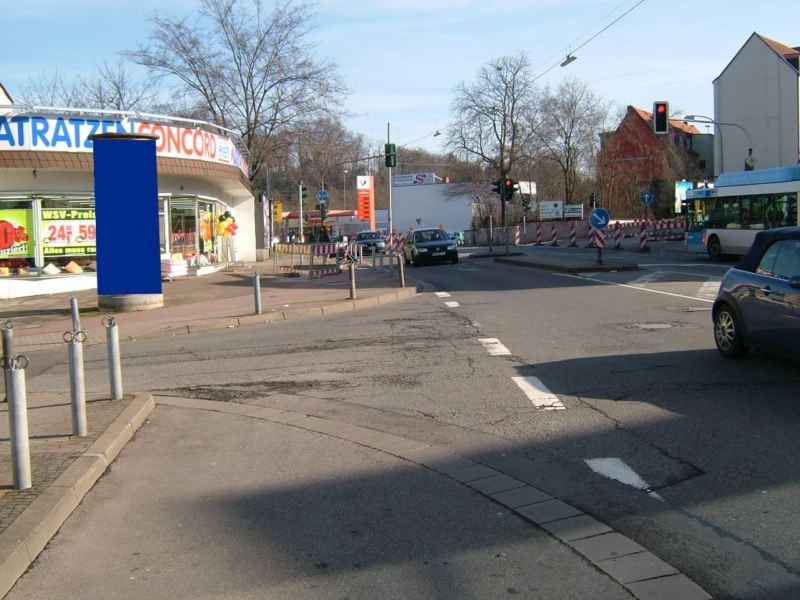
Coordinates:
451 247
422 250
381 244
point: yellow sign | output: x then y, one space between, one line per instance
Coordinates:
277 212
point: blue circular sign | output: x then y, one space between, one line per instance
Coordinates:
599 218
647 198
322 195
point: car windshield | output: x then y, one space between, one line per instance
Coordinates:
432 235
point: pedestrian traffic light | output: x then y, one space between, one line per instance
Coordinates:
390 152
660 117
497 187
303 192
509 188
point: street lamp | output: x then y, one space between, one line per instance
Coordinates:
749 162
570 58
344 189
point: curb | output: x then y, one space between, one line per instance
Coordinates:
563 267
641 572
28 535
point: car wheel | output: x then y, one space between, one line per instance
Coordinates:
414 260
728 334
714 248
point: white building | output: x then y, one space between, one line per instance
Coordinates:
757 105
424 203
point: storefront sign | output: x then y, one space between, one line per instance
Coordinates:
16 227
71 134
68 232
414 179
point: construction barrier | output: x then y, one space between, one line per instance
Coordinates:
538 233
517 235
643 237
617 236
313 259
573 234
554 235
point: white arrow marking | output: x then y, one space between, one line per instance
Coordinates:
618 470
538 393
494 347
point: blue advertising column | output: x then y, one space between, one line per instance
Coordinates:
126 210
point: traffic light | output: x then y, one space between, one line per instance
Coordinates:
660 117
509 188
526 203
497 187
323 210
390 152
303 193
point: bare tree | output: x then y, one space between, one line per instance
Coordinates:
568 128
245 68
111 87
489 125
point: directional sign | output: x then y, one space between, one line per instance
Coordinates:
599 218
322 195
647 198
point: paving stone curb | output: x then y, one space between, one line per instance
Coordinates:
27 536
642 573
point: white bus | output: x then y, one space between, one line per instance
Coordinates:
725 219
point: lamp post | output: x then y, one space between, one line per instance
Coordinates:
749 162
344 189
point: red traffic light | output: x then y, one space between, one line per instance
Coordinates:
508 183
660 117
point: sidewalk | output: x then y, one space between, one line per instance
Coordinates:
65 468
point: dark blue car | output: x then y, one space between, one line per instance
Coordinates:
758 303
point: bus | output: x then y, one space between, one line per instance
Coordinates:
725 219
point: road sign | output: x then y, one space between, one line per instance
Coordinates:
322 195
647 198
599 218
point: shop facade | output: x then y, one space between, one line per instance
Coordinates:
47 204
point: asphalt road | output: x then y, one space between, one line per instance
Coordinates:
546 376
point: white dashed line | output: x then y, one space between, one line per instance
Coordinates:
442 294
494 347
538 394
451 304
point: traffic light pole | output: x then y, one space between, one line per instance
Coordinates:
300 205
389 141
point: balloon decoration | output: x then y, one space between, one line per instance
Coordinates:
226 225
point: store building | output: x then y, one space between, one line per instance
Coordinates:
47 225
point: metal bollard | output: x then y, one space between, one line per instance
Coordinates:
76 316
77 388
14 368
257 291
114 364
401 270
7 327
352 281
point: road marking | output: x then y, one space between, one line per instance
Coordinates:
618 470
451 304
494 347
633 287
538 393
709 290
442 294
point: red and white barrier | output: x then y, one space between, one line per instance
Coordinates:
554 235
643 237
599 238
617 236
572 234
538 233
517 236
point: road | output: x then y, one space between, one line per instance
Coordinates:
604 389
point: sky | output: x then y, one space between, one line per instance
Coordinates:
402 59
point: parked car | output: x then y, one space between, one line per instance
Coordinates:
429 245
369 242
456 237
758 303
